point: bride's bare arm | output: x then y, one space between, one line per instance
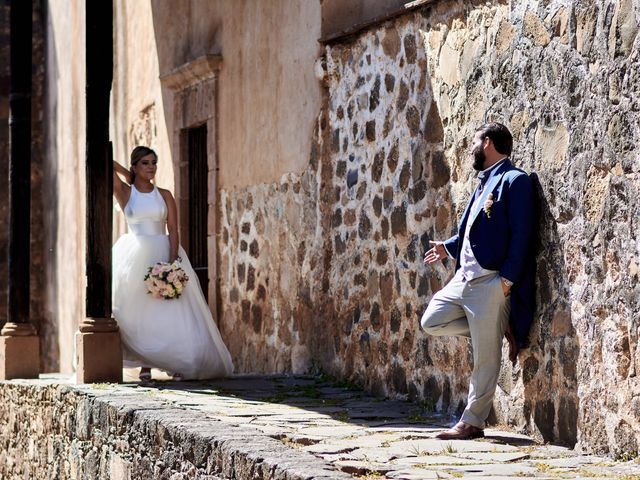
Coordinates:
172 223
121 189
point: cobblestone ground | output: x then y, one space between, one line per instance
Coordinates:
373 438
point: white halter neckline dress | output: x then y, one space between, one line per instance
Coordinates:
177 335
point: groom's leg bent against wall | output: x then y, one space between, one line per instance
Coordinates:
445 314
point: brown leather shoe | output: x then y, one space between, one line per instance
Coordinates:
461 431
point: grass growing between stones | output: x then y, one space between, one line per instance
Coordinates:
628 457
421 413
427 405
414 450
102 386
543 467
276 398
291 444
563 472
416 416
448 449
295 392
584 473
309 391
370 476
337 382
342 416
455 473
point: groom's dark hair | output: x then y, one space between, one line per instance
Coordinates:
499 135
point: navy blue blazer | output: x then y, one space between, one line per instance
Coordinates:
504 239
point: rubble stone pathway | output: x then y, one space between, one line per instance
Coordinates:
373 438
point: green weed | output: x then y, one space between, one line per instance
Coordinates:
448 449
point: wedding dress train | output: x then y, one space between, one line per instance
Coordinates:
177 335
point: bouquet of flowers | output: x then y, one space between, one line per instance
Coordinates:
166 280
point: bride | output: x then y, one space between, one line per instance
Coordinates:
176 335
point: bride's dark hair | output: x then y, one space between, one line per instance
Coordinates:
136 154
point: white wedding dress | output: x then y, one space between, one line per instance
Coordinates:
177 335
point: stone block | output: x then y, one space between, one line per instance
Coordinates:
19 357
624 29
504 36
535 29
586 20
448 65
391 43
410 51
552 144
596 192
300 359
99 356
560 23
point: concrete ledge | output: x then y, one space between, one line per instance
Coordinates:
54 430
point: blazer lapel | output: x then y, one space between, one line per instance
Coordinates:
488 188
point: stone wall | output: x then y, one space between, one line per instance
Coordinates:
323 269
50 429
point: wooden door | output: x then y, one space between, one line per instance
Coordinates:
198 203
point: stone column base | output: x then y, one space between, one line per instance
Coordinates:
19 357
99 357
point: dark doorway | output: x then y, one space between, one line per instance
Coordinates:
198 195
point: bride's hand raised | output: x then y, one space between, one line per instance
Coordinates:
120 170
121 189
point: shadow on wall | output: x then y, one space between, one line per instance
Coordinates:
445 375
552 358
382 159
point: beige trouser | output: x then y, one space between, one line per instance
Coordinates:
478 309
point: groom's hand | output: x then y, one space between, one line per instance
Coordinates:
506 286
436 253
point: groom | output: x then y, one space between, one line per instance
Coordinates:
493 291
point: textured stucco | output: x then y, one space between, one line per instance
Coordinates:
268 94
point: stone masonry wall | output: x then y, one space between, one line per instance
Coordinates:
53 430
324 269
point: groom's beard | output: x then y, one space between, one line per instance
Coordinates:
478 158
